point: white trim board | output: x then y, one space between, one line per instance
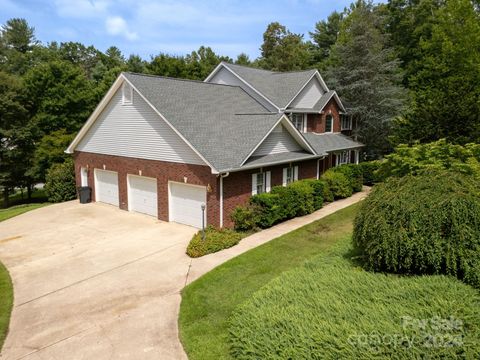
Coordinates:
111 92
291 129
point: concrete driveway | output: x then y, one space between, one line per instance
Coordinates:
94 282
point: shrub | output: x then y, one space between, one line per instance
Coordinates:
270 211
327 192
60 182
318 190
369 171
330 309
245 218
354 175
425 224
438 155
296 199
338 184
215 240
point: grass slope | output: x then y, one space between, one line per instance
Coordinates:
208 303
6 301
331 309
18 210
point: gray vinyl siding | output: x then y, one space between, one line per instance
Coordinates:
225 77
279 141
309 96
136 131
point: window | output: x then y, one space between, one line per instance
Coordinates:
346 122
342 157
298 121
260 182
329 123
127 93
290 174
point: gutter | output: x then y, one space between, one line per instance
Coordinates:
224 175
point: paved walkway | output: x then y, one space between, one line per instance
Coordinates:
200 266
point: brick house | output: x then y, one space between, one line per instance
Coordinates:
165 147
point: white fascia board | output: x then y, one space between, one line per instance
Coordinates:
291 129
103 103
246 83
108 96
339 102
273 163
214 171
214 71
317 75
299 91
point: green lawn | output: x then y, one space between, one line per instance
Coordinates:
19 209
6 301
208 302
232 305
38 196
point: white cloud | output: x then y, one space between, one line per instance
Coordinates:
116 25
82 8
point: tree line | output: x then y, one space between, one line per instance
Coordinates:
407 71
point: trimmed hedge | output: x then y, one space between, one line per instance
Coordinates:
215 240
354 175
338 183
425 224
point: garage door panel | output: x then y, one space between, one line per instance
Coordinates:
106 186
185 204
142 195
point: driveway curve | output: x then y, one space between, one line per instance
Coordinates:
93 282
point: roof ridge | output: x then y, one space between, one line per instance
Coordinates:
273 72
179 79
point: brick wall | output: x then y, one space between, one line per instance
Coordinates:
316 122
237 187
161 170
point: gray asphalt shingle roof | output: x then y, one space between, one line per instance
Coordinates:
325 143
222 122
279 158
278 87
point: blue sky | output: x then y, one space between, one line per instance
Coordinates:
147 27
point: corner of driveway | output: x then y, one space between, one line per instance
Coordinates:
94 282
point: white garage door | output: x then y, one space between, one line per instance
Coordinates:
142 195
185 203
106 186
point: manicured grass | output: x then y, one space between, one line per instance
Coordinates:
330 308
208 303
19 209
38 196
6 302
378 301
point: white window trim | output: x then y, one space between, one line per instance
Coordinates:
126 87
267 175
304 121
295 175
349 122
339 158
333 122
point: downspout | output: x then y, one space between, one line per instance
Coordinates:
221 197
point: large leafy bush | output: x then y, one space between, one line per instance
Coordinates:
425 224
432 156
369 171
338 183
60 182
354 175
